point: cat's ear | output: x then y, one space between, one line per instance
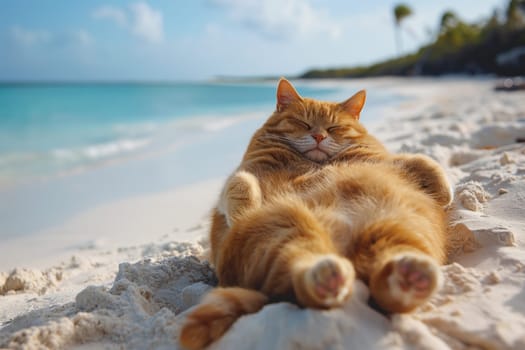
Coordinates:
286 94
354 104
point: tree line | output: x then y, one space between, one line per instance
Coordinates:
495 45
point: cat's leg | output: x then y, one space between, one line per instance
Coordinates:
399 257
325 282
278 252
241 192
428 174
282 250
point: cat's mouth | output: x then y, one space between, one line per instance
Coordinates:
317 155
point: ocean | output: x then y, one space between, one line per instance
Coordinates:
49 129
68 147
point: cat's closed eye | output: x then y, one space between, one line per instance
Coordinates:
344 130
333 128
300 123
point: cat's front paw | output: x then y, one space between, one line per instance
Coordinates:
241 193
329 281
428 175
411 280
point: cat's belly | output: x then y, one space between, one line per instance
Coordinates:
340 224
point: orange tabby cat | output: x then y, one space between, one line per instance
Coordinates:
316 203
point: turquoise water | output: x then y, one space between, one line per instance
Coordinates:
47 129
67 148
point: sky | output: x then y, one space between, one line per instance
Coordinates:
186 40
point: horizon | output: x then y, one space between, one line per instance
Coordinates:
174 41
239 80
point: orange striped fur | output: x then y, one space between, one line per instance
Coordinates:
316 203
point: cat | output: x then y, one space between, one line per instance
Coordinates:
315 203
305 134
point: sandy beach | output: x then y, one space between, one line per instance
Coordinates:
122 274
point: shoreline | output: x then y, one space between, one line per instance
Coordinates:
171 215
182 153
123 247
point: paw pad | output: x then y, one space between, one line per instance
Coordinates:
330 280
414 278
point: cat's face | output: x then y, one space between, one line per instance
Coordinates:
318 130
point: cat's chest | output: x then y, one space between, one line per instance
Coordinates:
287 177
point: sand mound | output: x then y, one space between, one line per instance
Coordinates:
29 280
138 311
471 195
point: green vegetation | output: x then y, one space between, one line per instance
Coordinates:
495 45
401 12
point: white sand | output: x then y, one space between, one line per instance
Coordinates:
83 300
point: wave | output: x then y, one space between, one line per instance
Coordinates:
136 129
213 123
120 141
99 151
16 167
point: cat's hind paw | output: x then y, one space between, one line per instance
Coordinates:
329 281
412 280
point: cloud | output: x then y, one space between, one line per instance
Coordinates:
80 37
148 23
282 19
24 37
140 19
27 37
111 13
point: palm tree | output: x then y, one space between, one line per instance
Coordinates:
401 11
448 20
515 18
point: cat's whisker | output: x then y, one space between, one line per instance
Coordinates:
305 145
333 146
309 141
278 138
352 146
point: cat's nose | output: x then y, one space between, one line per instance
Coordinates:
318 137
